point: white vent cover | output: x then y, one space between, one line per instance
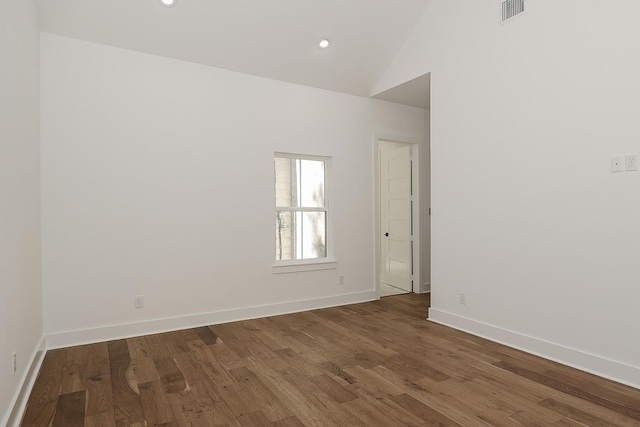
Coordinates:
511 9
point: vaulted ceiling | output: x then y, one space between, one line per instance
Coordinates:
276 39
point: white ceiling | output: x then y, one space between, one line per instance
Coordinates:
276 39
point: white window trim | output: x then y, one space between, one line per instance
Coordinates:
300 265
280 267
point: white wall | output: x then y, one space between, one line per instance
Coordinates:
425 202
20 290
527 219
158 181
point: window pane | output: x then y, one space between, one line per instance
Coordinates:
299 183
312 184
314 228
300 235
285 236
287 179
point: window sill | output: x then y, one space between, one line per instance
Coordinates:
304 265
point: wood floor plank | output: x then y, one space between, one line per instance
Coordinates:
337 372
372 383
534 392
410 367
218 414
331 410
145 370
622 408
362 341
431 395
272 337
263 351
210 364
70 410
292 396
104 419
235 396
137 347
377 363
171 376
509 397
490 412
269 403
98 360
311 356
575 414
605 390
41 406
422 411
254 419
336 391
155 404
293 359
197 380
227 356
75 370
368 413
227 333
532 419
186 409
188 335
126 403
175 343
206 335
567 422
398 413
99 396
289 422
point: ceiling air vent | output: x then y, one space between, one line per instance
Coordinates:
511 9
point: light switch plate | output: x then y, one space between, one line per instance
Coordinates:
617 164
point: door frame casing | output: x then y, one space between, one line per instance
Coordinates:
416 145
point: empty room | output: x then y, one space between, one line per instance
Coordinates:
303 213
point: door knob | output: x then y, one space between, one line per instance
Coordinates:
386 234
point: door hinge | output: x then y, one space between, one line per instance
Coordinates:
429 211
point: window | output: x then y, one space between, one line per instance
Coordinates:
301 209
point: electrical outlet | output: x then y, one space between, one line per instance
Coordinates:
463 299
138 301
14 361
341 280
617 164
631 162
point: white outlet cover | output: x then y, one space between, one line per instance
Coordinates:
631 162
617 164
138 301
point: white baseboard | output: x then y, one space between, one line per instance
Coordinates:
597 365
19 401
106 333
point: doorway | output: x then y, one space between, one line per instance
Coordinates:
398 204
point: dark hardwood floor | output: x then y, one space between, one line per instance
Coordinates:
373 364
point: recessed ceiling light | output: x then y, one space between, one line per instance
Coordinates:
324 43
168 3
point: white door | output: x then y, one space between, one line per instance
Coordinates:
395 215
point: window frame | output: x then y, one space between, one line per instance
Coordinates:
328 261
